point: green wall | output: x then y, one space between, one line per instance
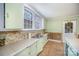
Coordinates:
56 24
78 24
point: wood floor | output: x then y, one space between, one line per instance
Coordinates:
53 48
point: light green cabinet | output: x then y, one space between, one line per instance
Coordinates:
14 15
33 49
40 44
39 47
70 53
69 50
44 40
25 52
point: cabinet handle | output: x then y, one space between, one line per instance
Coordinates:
7 15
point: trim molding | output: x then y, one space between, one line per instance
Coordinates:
4 15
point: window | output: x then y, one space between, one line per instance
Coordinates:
27 18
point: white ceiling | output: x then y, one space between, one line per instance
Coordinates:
56 9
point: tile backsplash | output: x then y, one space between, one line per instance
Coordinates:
11 37
14 36
36 34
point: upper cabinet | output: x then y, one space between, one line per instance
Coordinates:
2 16
19 16
14 16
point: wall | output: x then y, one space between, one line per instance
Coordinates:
56 24
77 24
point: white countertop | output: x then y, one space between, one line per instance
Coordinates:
12 49
73 42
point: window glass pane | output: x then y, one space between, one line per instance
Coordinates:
27 18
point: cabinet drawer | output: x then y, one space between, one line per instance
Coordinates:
25 52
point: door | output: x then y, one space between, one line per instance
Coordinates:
69 29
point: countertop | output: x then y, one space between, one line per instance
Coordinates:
12 49
73 42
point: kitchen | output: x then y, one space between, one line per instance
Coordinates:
39 29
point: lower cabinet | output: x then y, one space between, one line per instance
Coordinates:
25 52
70 51
34 49
45 41
39 46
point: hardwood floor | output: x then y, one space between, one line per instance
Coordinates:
53 48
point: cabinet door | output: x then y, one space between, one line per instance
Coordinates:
25 52
70 53
14 15
45 40
39 46
1 15
33 50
